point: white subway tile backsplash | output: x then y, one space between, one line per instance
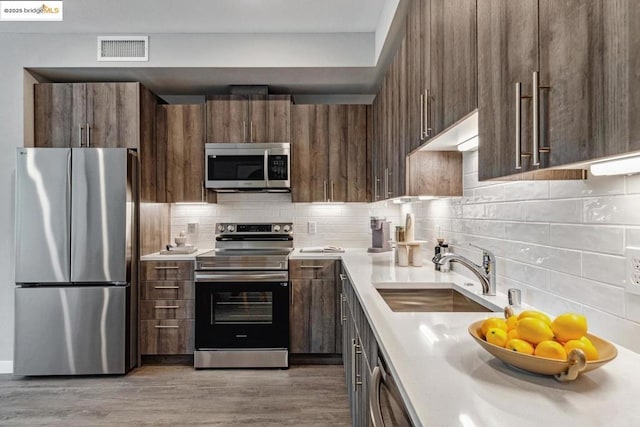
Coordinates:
558 259
526 190
547 301
613 210
632 237
632 307
589 238
592 186
633 184
594 294
527 232
604 268
494 193
526 273
614 328
568 211
469 162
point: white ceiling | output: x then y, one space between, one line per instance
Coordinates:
210 16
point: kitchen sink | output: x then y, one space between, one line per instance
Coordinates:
429 300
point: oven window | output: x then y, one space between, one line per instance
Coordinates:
235 168
242 308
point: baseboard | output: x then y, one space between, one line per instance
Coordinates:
6 366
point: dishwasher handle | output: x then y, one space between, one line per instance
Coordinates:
375 411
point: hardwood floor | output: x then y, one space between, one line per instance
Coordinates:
180 395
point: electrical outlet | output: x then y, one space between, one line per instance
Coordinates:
192 227
633 270
311 227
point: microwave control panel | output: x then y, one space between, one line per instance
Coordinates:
278 167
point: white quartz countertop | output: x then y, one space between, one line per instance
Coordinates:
448 380
157 256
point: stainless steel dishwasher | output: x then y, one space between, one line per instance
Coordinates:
386 407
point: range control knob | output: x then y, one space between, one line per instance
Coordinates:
276 228
286 229
230 228
220 227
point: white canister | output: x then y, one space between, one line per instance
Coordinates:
409 228
402 250
415 255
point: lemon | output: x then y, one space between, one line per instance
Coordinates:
589 349
536 315
534 330
551 350
519 346
512 322
497 336
512 334
569 326
493 322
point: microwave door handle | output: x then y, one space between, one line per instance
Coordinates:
266 168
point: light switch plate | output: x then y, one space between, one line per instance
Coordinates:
633 270
311 227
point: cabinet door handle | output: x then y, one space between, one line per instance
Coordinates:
324 186
244 131
353 364
251 131
80 128
166 327
342 319
389 192
88 135
427 129
374 398
518 130
312 266
173 307
358 371
421 117
166 287
342 277
202 191
333 185
376 184
167 268
536 149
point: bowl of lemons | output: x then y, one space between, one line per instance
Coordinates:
533 342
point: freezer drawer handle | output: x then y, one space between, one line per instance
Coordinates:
167 306
166 327
166 287
167 268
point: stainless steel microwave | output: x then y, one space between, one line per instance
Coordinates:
233 167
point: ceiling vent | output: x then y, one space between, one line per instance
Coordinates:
123 48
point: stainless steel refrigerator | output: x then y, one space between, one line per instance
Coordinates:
76 261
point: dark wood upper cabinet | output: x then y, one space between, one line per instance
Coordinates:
180 139
574 63
453 90
329 148
101 115
254 118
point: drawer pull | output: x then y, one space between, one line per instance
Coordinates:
167 268
312 266
167 306
166 287
166 327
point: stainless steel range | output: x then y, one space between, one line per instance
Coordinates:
242 297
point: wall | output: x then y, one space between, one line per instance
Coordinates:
345 225
166 50
562 243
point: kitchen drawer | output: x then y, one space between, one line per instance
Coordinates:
312 269
167 290
180 309
167 270
167 336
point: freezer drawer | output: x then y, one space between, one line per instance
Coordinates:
76 330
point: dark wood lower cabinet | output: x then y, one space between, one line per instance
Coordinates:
167 337
167 319
359 353
313 311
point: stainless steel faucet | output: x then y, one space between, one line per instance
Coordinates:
486 272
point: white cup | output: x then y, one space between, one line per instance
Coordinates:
416 256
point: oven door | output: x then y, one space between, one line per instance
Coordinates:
241 310
247 166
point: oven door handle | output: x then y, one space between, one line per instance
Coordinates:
280 266
266 168
242 277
